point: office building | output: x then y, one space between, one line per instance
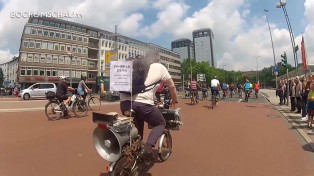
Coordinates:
184 47
9 70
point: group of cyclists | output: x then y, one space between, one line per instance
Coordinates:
215 87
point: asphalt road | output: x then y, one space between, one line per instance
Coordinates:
235 139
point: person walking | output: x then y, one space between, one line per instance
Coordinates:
292 95
305 91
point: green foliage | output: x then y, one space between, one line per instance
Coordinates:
1 77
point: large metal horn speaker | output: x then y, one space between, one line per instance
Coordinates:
109 143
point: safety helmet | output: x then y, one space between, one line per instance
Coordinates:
62 77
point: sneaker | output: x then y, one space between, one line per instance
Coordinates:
304 118
147 155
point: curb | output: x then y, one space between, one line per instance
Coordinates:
307 139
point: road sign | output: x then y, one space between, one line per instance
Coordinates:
201 77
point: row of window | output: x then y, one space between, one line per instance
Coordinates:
37 44
58 25
55 34
48 72
170 60
55 59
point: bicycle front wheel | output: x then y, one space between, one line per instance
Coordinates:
80 108
94 103
53 111
124 167
165 146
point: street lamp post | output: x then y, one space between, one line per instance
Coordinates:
71 56
282 4
272 44
257 78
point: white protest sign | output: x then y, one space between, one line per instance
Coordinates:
121 75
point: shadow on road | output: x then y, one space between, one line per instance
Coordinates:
307 147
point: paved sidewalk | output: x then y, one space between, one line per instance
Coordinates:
292 117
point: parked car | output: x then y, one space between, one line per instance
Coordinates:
37 90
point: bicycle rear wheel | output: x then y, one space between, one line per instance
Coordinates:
80 108
165 146
53 111
94 103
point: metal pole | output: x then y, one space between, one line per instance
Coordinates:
287 87
283 6
71 56
272 45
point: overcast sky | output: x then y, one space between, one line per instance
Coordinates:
240 27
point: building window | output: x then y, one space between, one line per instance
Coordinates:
38 44
66 73
63 36
40 22
73 61
74 49
23 57
62 47
42 72
84 62
49 59
48 72
55 59
56 46
35 72
57 35
62 26
78 61
34 31
74 37
85 40
72 73
46 23
84 73
23 71
84 50
46 33
67 60
54 73
44 45
79 50
78 74
43 58
31 44
30 57
69 36
27 30
36 57
61 59
52 34
91 75
25 43
68 48
60 72
28 72
80 39
39 32
50 46
57 25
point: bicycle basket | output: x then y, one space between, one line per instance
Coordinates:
50 95
173 119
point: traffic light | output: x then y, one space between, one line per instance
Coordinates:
284 60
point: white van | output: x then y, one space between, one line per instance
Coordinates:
37 90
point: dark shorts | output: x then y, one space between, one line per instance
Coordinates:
62 97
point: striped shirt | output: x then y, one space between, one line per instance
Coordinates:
194 85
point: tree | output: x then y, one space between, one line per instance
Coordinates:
1 77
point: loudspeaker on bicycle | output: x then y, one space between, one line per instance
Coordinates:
109 143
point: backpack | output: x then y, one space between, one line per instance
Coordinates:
139 74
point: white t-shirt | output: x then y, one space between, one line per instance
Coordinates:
156 72
214 83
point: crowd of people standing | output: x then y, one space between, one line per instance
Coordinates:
301 93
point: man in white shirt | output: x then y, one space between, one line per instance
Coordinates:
214 86
143 103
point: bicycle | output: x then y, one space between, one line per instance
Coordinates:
256 94
93 102
240 92
214 99
117 140
193 97
54 110
247 95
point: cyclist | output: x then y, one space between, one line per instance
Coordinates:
214 86
82 89
224 89
240 89
61 92
231 88
256 88
194 88
247 88
143 103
